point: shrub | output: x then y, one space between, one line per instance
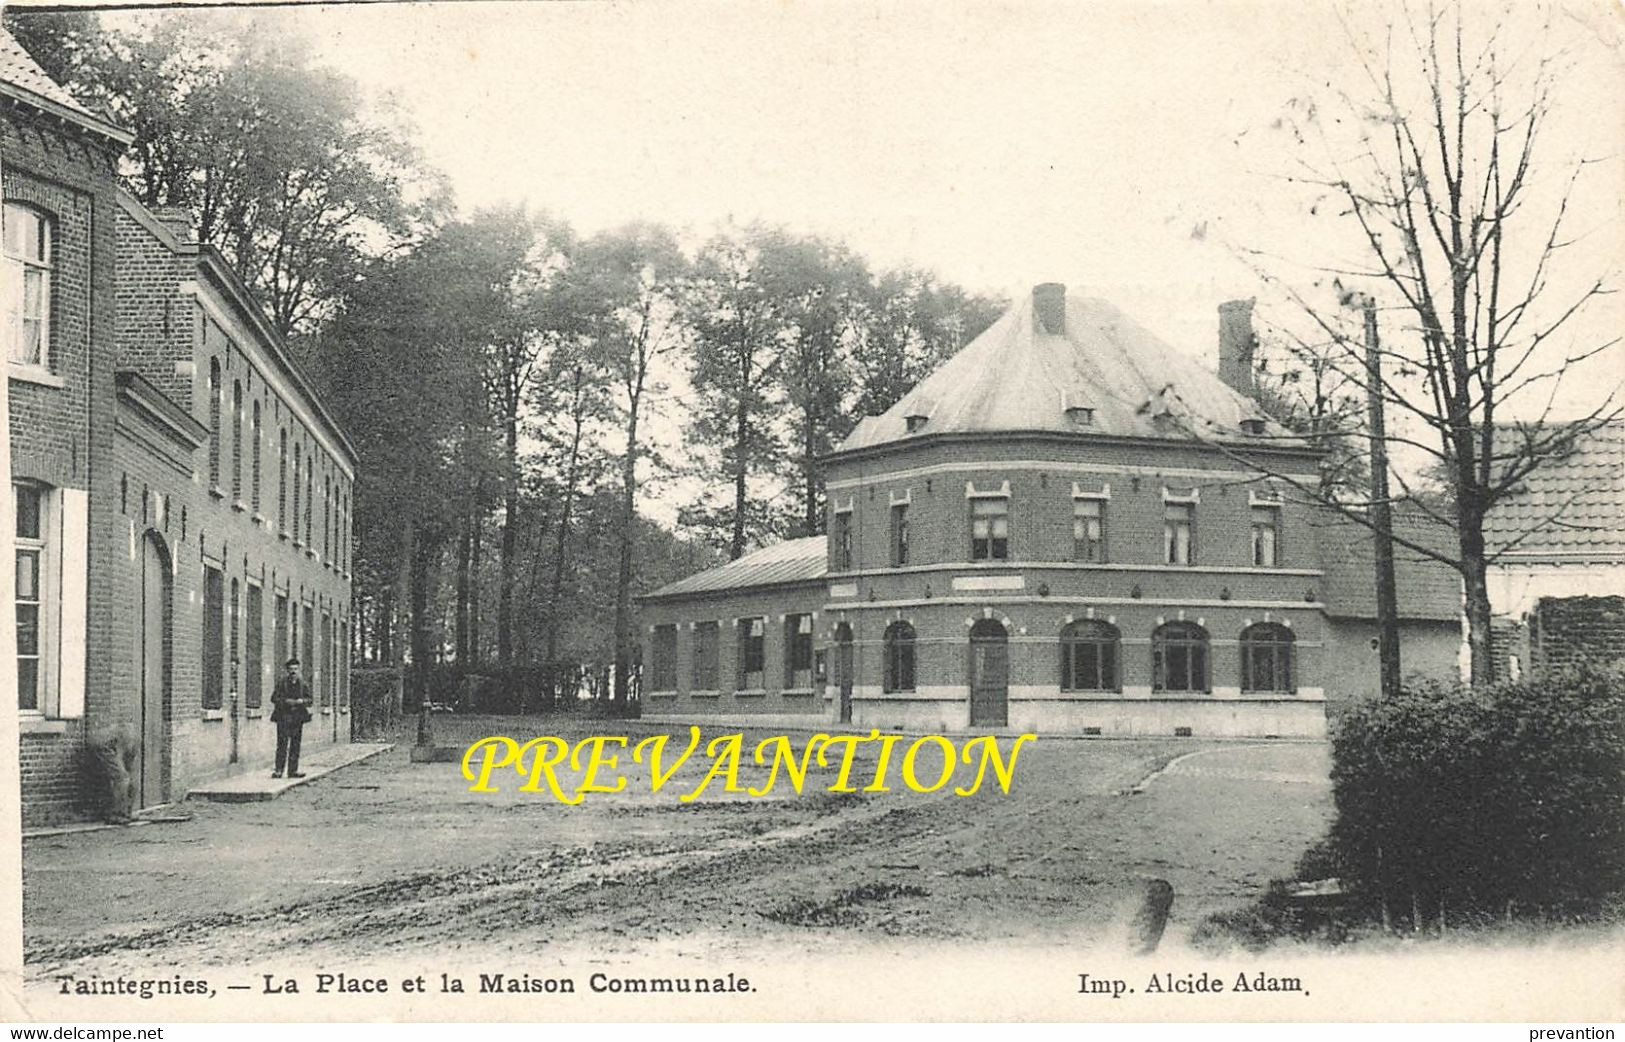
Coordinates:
110 764
1458 805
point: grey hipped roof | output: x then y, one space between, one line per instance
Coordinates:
22 78
792 561
1018 377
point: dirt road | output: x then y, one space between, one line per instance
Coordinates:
391 858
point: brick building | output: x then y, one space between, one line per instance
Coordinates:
182 497
1063 528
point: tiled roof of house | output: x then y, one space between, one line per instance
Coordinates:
794 560
21 75
1018 376
1572 505
1426 588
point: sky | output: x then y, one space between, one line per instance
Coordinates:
1132 150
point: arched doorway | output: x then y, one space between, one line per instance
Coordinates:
153 655
989 674
843 669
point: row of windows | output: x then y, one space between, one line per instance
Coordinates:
1091 652
750 660
1090 657
234 637
989 533
300 495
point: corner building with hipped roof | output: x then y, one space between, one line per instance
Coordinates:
1065 528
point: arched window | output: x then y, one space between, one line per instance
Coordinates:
1266 658
899 657
28 235
282 487
236 441
1089 656
214 423
255 488
1179 657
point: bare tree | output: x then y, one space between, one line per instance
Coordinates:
1461 239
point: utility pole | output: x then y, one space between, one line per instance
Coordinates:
1382 523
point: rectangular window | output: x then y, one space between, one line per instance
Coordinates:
344 663
752 633
1178 530
899 534
30 593
663 670
990 529
281 641
1089 530
798 651
307 647
327 659
214 605
254 647
1266 536
705 656
843 541
234 617
27 282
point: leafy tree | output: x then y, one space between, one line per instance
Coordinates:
736 320
637 273
278 159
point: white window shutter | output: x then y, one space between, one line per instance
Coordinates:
75 544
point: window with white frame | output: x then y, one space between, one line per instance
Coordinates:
28 234
1266 535
1179 533
1089 530
990 528
30 595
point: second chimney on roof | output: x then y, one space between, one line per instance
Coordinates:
1049 308
1236 344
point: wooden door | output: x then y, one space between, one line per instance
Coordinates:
989 675
154 674
843 666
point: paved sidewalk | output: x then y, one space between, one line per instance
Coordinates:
255 785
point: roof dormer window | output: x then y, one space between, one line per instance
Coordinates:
918 414
1253 425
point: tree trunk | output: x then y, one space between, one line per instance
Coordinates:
423 557
463 551
736 548
815 514
561 545
1477 596
623 574
476 554
510 538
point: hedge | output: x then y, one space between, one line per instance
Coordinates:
1460 805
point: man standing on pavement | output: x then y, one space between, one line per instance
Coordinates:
291 702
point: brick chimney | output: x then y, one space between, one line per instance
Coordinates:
1236 344
1049 308
178 219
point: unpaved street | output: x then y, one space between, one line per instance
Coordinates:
388 858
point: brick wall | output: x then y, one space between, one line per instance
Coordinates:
62 429
1563 631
